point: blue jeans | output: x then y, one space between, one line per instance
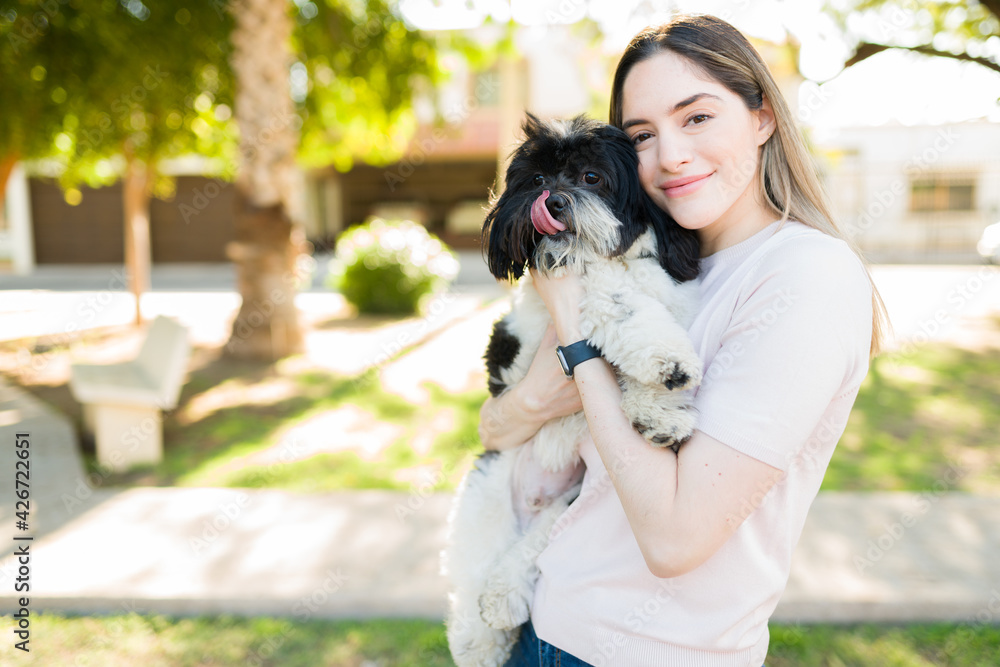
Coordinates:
530 651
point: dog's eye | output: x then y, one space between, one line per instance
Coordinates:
539 179
590 178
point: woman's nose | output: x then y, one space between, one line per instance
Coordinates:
674 153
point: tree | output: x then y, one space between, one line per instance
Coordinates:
338 87
40 67
966 31
109 88
116 96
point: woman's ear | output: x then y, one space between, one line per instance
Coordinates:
766 121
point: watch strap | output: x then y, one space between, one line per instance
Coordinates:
573 355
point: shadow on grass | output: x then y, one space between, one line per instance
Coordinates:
919 416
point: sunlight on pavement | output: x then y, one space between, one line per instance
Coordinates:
237 394
453 359
348 351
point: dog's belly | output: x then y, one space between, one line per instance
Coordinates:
534 488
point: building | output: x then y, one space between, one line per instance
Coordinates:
915 193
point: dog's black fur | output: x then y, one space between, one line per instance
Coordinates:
562 160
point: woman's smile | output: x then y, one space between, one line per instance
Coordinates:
681 187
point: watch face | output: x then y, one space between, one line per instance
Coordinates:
562 362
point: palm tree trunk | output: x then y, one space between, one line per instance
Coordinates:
7 163
267 240
136 189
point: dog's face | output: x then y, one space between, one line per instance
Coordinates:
573 183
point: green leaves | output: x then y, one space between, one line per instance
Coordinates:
84 79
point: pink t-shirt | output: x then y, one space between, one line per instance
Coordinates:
783 330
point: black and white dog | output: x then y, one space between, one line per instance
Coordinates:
573 202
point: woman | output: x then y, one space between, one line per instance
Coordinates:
680 558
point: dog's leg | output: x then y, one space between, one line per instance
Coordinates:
637 334
482 524
506 600
557 442
665 418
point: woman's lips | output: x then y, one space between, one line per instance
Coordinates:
680 187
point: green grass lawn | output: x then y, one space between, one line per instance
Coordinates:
155 641
919 414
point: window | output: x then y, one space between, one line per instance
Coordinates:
943 193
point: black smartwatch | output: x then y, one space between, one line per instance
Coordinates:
573 355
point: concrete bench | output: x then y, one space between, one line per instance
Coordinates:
122 402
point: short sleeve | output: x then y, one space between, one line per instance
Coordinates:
799 338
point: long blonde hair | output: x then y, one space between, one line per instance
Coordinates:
786 175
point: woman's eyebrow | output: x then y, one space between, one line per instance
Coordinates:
680 105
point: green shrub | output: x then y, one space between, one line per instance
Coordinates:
389 266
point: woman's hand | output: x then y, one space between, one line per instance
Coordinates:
544 393
562 297
546 390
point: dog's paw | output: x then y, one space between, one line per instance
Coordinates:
679 374
663 367
503 608
666 428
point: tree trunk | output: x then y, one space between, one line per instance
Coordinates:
7 163
267 239
138 254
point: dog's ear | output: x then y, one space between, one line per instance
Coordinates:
679 248
505 255
624 192
532 125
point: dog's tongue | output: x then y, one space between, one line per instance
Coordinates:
542 219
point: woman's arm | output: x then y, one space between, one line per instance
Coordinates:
513 417
681 507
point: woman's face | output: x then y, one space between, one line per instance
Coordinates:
698 145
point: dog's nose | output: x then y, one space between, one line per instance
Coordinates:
556 204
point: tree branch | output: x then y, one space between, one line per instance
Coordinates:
866 50
992 5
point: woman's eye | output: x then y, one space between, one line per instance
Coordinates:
590 178
640 137
539 179
699 119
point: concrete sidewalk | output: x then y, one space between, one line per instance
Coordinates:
375 554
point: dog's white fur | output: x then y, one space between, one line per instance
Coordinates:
637 315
